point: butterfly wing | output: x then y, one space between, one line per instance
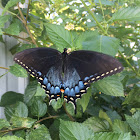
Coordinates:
84 67
90 65
46 65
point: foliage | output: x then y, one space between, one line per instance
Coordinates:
111 108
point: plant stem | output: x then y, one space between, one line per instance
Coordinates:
24 22
71 118
51 117
27 11
4 68
18 37
133 69
102 9
15 15
14 129
98 24
3 74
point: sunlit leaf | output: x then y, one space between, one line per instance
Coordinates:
18 71
129 13
110 86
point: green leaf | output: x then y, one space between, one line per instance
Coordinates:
137 54
54 128
30 91
10 4
4 2
139 66
74 131
9 111
57 104
22 122
100 43
111 136
121 127
85 99
133 98
59 36
24 47
3 20
10 98
70 108
40 132
113 115
38 108
134 122
18 71
4 124
129 13
21 110
11 138
96 124
13 29
104 115
71 111
13 50
110 86
105 2
40 91
20 133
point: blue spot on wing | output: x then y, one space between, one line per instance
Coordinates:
39 73
86 78
67 91
81 85
56 90
48 86
72 93
77 90
52 90
45 81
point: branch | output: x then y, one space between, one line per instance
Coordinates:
98 24
27 11
18 37
4 68
15 15
4 131
24 22
51 117
133 69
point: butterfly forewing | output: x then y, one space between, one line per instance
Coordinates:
94 66
46 65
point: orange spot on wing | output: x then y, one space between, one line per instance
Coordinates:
62 90
58 95
65 96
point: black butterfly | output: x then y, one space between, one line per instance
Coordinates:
65 73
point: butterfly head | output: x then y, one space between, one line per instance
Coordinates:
65 50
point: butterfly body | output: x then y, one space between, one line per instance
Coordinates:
65 73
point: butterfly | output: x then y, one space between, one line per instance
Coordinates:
66 73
